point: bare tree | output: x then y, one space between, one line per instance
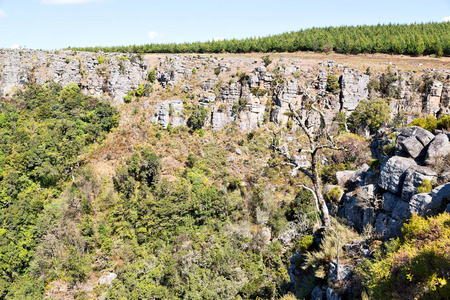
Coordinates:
312 122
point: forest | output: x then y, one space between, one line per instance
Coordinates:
413 39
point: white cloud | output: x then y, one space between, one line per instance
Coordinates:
3 14
153 35
63 2
446 19
15 46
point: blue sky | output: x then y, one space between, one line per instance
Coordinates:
55 24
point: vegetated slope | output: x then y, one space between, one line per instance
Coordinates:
413 39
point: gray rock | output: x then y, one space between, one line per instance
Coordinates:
401 211
421 204
447 209
393 174
343 176
318 293
441 195
380 224
406 141
393 228
345 273
414 177
107 279
439 147
354 89
390 201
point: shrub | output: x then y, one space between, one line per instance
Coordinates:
429 123
217 71
151 76
371 114
267 60
101 60
198 117
335 194
333 84
426 186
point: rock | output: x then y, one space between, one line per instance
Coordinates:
345 273
401 211
434 98
447 209
390 201
412 140
354 89
421 204
439 147
219 120
238 151
107 279
317 293
393 174
171 109
380 224
414 177
441 195
393 228
343 176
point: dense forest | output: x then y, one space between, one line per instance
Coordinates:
413 39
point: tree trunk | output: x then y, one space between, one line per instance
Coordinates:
317 183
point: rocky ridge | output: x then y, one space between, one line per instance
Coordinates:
220 83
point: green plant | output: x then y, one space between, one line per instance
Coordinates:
334 195
369 113
198 116
333 84
101 59
152 76
426 186
217 71
267 60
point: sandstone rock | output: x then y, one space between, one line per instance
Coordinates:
414 177
354 89
434 98
401 211
441 195
412 140
439 147
107 279
393 174
343 176
421 204
390 201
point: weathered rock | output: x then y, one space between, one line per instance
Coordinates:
434 98
169 109
441 195
393 174
318 293
414 177
412 140
401 211
345 273
390 201
439 147
107 279
354 89
421 204
343 176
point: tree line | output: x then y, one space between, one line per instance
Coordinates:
409 39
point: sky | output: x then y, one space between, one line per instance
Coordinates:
57 24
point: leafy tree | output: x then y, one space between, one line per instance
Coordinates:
369 114
198 117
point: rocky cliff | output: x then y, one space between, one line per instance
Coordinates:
219 83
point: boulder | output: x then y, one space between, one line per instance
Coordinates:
343 176
412 140
354 88
439 147
414 177
393 174
390 201
441 195
421 204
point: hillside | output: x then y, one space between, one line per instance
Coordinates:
170 186
411 39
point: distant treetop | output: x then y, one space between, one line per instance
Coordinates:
412 39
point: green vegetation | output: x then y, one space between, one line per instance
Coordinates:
413 267
369 114
333 84
413 39
44 130
430 123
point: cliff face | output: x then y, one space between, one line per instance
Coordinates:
220 83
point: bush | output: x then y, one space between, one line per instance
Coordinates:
333 84
151 76
198 117
267 60
371 114
217 71
414 267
